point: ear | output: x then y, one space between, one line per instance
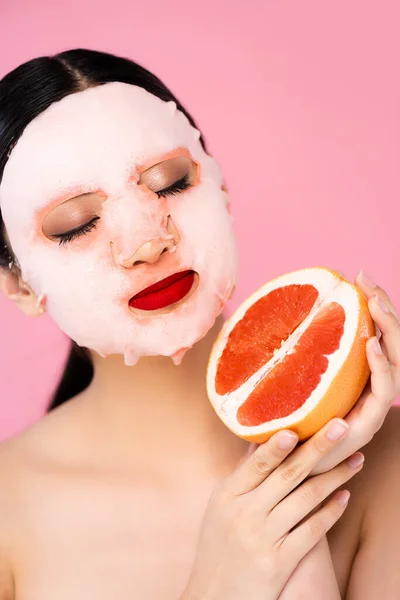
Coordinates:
16 290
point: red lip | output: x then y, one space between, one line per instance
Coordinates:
165 292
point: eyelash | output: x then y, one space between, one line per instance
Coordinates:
64 238
173 189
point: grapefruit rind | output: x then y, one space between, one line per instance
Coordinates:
342 383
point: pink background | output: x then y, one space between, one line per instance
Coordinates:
299 101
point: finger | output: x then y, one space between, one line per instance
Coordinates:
292 510
251 448
370 289
384 349
389 325
368 414
381 380
299 464
353 416
261 463
300 541
382 395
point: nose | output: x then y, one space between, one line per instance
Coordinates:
150 251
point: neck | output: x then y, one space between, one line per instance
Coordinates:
158 410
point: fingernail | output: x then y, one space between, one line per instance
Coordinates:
287 440
367 280
336 430
382 304
356 460
376 347
343 498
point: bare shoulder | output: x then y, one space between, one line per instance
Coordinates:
27 453
381 474
38 447
9 474
387 434
25 462
6 516
381 477
376 490
20 458
375 570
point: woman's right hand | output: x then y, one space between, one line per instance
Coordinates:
255 530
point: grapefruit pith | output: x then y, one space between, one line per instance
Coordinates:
292 356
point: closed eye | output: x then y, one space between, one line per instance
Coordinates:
175 188
68 236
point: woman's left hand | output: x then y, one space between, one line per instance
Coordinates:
315 572
368 414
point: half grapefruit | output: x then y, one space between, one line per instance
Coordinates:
292 356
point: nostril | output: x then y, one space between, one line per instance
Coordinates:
142 262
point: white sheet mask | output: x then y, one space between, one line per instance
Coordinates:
95 140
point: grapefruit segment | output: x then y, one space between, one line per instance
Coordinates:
291 356
287 386
267 323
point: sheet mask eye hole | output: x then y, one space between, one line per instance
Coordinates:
73 217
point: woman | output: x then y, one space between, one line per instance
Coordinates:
116 222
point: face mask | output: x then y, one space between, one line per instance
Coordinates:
154 269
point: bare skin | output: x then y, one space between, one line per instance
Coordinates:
104 497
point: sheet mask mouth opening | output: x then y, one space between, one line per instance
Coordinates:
164 293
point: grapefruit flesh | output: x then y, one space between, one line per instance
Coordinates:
288 385
291 356
269 322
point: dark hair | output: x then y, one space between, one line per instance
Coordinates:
30 89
